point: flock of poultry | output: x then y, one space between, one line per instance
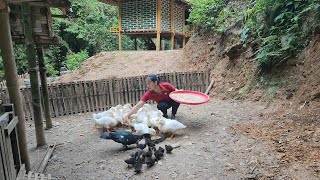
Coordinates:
146 121
149 157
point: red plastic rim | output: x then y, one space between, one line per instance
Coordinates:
205 98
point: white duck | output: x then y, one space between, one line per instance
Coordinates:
170 126
141 128
106 122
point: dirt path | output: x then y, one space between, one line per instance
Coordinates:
208 148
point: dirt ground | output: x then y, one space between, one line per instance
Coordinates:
208 148
250 129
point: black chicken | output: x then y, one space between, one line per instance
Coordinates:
124 137
158 154
161 149
141 146
168 148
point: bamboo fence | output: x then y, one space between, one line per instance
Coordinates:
100 95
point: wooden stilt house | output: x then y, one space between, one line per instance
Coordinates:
152 19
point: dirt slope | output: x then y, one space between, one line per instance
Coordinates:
127 63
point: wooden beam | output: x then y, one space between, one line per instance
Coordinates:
3 4
158 18
119 25
45 159
10 70
11 125
39 40
44 87
33 72
172 23
209 87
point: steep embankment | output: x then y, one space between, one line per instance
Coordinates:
236 72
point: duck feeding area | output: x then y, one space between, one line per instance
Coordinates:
214 145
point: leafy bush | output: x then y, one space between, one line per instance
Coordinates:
75 59
216 15
282 28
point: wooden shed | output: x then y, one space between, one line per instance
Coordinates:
160 19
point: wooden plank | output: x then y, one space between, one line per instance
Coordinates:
80 97
60 100
89 95
119 91
111 91
36 175
4 151
140 86
49 177
41 176
136 89
70 98
64 97
93 94
54 100
11 125
97 86
105 97
175 80
85 105
11 167
1 164
124 90
50 100
129 89
30 173
21 173
46 158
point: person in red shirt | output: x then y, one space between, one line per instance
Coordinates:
159 92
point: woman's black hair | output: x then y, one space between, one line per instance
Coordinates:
154 78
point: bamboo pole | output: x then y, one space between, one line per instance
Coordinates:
158 17
10 71
44 88
31 56
172 24
119 25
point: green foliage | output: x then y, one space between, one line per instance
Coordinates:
75 59
280 28
84 34
216 15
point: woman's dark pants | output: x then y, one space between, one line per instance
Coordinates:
165 105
